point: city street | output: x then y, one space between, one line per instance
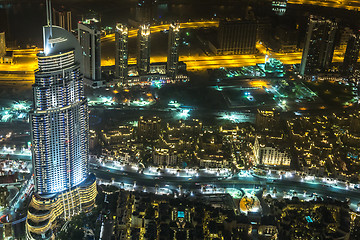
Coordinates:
193 184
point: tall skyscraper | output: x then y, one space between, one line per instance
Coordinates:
351 55
173 50
237 37
89 36
63 19
319 46
143 59
122 53
60 136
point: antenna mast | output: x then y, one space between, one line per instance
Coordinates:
49 15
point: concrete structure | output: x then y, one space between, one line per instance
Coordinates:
270 155
267 120
149 128
122 53
143 58
235 37
164 157
90 41
60 136
62 19
319 46
173 50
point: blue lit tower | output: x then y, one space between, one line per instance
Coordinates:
59 121
121 56
60 135
173 50
143 59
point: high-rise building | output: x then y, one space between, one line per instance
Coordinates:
2 45
237 37
173 50
122 53
144 11
143 59
63 19
319 46
60 136
89 36
352 54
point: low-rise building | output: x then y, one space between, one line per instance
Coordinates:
164 157
270 155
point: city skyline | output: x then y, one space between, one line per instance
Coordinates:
182 120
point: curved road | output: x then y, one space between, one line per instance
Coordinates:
194 183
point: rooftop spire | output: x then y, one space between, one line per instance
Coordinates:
48 15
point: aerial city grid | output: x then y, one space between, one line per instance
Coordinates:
182 119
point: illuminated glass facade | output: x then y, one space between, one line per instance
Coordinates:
59 120
89 36
143 60
351 55
121 58
319 46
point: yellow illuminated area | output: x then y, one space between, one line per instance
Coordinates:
158 28
43 213
194 63
347 4
21 71
249 203
259 84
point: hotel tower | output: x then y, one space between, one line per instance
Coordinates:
60 136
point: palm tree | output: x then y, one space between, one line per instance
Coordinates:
274 191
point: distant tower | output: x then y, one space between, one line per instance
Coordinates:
62 19
90 40
60 136
144 11
143 59
2 45
279 6
237 37
319 46
351 54
173 50
121 58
